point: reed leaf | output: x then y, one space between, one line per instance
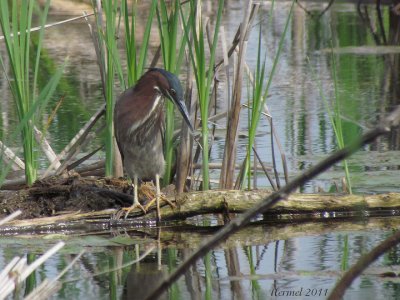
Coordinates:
168 26
336 121
16 28
334 115
203 71
107 35
110 61
136 64
260 91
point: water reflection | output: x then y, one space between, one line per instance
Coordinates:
142 279
260 266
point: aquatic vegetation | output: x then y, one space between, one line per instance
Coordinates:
16 25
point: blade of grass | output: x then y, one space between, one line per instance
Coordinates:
17 36
337 122
168 25
334 115
261 92
204 71
110 62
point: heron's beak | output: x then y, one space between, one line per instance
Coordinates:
183 110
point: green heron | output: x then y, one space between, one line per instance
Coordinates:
139 127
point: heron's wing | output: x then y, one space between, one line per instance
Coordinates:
117 133
162 132
120 150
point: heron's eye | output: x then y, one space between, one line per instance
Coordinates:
173 92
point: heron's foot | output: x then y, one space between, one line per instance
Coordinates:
162 197
125 211
147 190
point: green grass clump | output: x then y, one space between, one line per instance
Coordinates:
259 93
110 61
334 114
203 70
16 24
168 27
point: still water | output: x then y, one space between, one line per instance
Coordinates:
264 261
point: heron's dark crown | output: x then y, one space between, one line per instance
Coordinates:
173 81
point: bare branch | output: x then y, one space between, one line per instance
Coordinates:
268 202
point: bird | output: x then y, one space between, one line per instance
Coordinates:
139 126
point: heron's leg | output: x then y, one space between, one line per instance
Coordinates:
136 202
158 196
135 191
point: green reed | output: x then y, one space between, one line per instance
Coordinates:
336 121
168 27
136 61
16 28
203 70
334 114
259 93
256 105
111 63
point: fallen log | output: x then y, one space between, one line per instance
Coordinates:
85 203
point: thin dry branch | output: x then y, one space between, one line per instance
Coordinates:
239 222
10 157
49 287
362 264
184 157
69 150
48 151
229 158
18 270
94 169
283 156
10 217
271 182
55 24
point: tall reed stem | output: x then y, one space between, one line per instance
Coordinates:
203 71
168 25
108 36
260 93
23 84
110 61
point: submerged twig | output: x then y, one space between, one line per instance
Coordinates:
320 14
140 258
